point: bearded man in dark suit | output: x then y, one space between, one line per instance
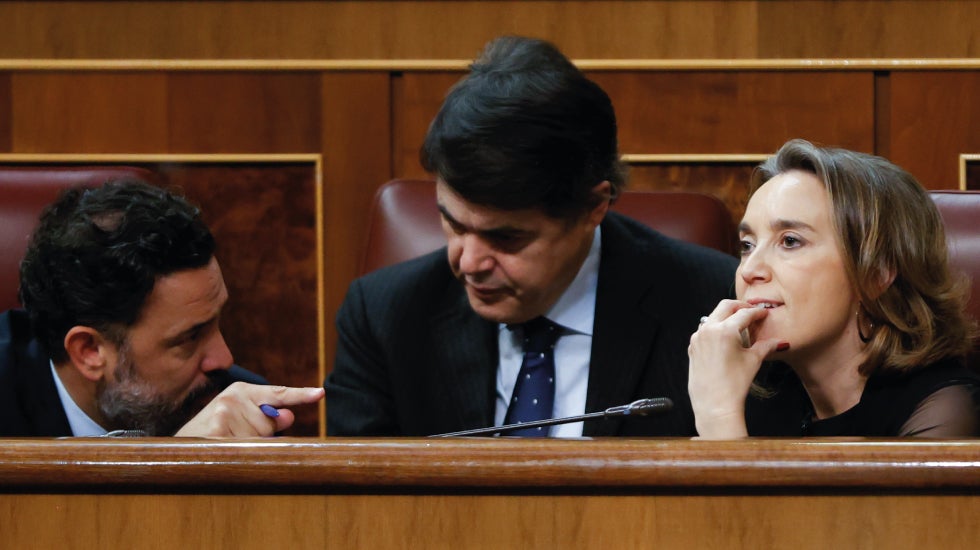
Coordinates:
123 295
526 160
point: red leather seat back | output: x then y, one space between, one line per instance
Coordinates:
961 215
24 192
692 217
403 223
404 220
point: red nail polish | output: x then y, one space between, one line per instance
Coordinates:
783 346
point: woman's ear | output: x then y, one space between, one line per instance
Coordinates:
89 352
886 276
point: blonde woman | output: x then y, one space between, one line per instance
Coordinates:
847 319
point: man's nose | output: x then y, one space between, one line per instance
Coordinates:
474 255
218 355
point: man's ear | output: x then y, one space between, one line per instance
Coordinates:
602 194
89 352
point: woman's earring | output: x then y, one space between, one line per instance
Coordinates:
866 321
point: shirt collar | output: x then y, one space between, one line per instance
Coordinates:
81 424
575 308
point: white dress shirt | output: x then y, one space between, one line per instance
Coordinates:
575 312
81 424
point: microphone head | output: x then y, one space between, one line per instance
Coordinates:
643 407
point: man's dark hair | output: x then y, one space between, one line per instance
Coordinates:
97 253
525 129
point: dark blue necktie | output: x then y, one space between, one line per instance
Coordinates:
534 392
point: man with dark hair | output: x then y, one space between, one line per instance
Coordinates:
549 304
122 295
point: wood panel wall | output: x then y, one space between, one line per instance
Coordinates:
263 216
5 108
918 140
404 29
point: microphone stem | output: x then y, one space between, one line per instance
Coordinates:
523 425
641 407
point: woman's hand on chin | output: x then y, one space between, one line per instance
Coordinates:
721 369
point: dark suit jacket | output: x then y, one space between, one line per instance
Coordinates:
414 359
29 402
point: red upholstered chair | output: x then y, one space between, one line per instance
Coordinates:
24 192
692 217
961 215
404 221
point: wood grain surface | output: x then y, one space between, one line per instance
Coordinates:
407 29
489 493
5 107
89 112
751 112
164 464
920 143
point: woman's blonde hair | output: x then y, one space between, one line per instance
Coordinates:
888 225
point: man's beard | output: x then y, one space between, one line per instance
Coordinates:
131 403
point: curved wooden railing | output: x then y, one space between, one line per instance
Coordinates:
489 463
486 493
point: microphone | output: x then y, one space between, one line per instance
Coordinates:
640 407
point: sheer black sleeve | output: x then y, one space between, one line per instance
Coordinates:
952 411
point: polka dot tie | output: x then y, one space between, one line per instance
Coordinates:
534 392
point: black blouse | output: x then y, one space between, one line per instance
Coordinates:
940 400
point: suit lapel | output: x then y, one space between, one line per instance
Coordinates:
465 360
44 409
625 326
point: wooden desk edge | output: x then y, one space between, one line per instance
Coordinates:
626 464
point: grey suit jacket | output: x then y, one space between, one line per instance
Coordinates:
414 359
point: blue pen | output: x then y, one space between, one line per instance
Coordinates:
269 410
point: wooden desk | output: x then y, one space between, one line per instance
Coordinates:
481 493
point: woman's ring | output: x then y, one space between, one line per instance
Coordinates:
703 320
